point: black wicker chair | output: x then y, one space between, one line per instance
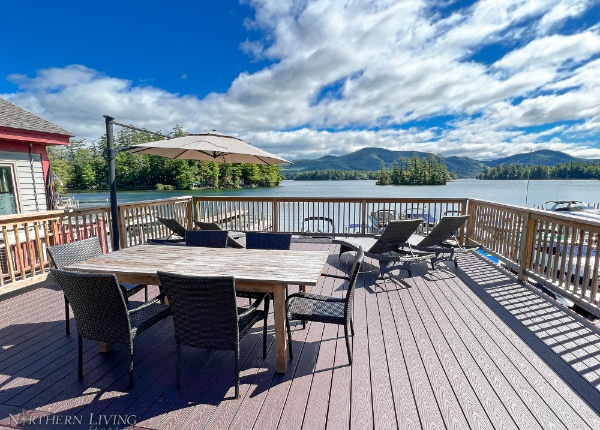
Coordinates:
102 314
232 241
208 238
262 240
313 307
205 315
74 252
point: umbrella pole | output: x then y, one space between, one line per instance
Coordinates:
110 155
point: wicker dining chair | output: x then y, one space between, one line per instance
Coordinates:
265 240
206 238
205 315
74 252
102 314
334 310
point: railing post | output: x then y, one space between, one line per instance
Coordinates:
190 213
275 215
122 239
469 207
363 216
526 250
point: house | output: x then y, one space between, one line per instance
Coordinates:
25 179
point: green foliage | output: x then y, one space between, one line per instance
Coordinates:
163 187
83 166
429 170
570 170
331 175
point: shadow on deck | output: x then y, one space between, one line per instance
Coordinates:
469 348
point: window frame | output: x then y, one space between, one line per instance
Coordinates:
12 165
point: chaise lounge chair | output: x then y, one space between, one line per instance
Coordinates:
384 249
176 229
441 240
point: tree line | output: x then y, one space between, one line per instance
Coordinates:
82 165
569 170
429 170
330 175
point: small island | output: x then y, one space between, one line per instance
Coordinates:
429 170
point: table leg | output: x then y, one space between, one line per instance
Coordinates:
280 334
105 346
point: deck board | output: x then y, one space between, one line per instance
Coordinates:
554 379
470 348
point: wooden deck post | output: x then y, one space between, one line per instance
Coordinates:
363 216
275 209
526 250
190 214
122 228
469 208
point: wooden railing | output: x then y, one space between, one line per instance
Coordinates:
559 251
24 238
137 221
305 216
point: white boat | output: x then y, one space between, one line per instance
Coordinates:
573 207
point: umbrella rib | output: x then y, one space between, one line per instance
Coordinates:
180 154
212 154
263 160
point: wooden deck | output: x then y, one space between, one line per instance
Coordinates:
445 349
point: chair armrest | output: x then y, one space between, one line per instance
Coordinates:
315 297
252 308
328 275
143 306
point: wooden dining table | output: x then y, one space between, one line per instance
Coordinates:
268 271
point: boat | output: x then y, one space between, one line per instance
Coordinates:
318 224
358 228
380 218
419 213
575 208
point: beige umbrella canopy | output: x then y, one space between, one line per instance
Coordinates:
209 146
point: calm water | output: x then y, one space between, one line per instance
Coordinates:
512 192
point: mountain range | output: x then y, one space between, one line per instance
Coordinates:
369 159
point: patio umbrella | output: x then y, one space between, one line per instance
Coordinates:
208 146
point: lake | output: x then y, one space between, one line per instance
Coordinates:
511 192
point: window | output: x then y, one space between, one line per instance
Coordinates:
8 195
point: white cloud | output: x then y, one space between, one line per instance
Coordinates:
552 51
346 75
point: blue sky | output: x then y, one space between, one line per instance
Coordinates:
483 79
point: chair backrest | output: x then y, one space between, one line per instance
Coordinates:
262 240
173 225
395 233
352 283
207 225
74 252
206 238
204 310
98 305
231 242
444 230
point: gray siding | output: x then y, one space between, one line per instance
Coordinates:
26 192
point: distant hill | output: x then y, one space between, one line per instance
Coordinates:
543 156
369 159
